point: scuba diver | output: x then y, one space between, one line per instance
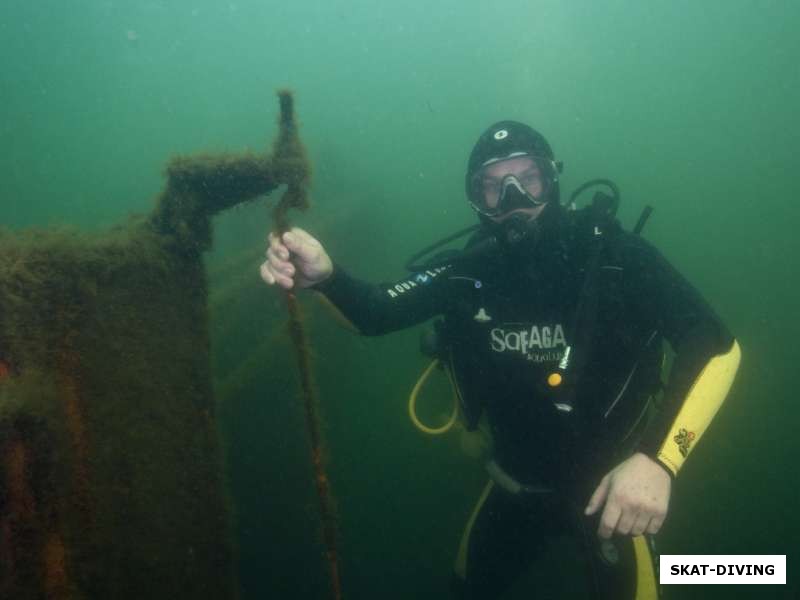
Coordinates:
555 324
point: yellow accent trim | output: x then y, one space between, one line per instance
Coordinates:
646 584
702 402
463 548
412 405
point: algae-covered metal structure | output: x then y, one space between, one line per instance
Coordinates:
111 479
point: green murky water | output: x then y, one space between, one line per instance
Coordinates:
689 106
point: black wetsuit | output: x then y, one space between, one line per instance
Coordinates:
508 318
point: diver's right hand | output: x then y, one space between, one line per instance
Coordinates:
295 259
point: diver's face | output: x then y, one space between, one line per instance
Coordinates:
526 171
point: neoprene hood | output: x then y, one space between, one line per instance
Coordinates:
506 139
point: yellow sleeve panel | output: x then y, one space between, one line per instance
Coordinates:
702 402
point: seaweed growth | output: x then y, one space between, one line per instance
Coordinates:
110 469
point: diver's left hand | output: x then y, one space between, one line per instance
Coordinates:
636 497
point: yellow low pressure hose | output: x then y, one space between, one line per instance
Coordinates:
412 404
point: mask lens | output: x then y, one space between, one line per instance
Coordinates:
527 175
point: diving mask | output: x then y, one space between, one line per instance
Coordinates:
518 180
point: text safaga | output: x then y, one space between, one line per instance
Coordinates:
535 337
